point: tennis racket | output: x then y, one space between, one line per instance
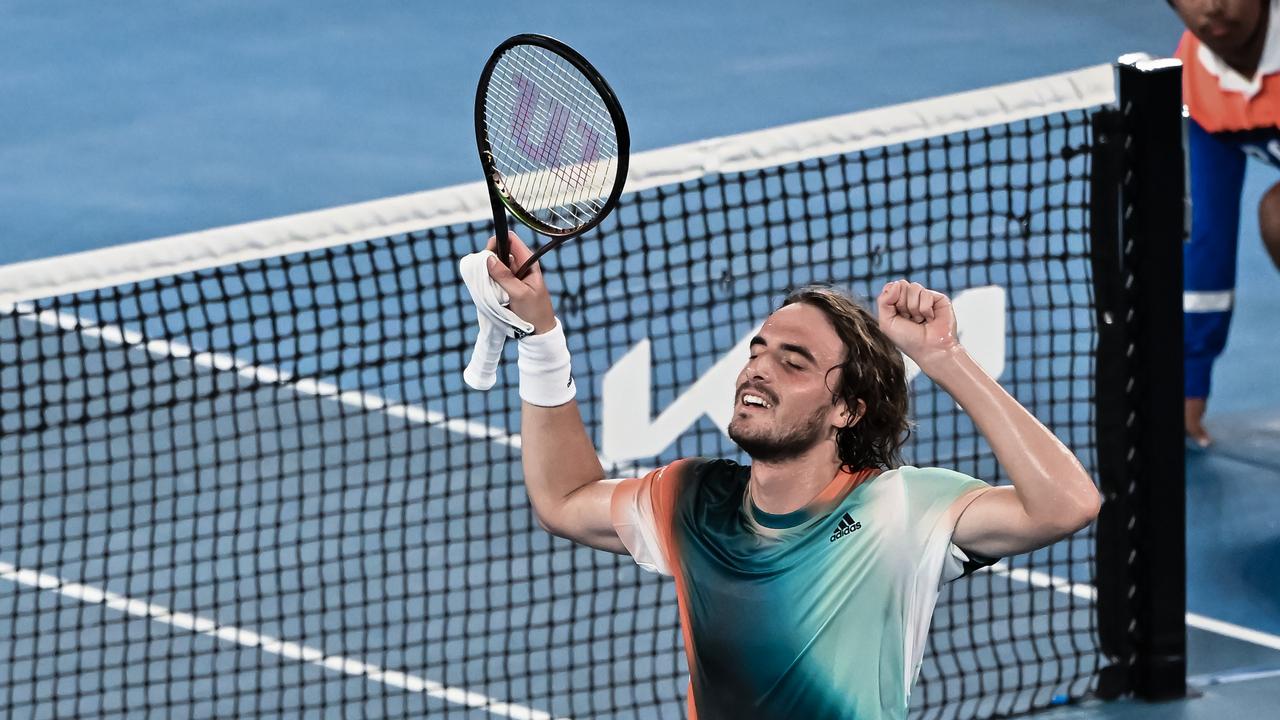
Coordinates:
554 147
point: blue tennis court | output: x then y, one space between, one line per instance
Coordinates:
202 557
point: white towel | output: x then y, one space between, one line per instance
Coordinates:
497 321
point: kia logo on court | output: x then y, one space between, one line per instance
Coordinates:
629 431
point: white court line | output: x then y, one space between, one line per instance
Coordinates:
266 374
259 373
265 643
1231 630
1204 681
1044 580
1087 592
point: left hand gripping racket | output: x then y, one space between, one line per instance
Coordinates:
554 146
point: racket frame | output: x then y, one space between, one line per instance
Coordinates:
501 203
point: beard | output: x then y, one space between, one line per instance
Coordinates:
774 444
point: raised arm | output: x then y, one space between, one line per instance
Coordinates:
562 472
1052 496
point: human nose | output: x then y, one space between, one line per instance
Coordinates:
757 368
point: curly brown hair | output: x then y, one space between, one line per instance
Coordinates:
873 372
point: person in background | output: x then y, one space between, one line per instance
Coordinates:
1230 55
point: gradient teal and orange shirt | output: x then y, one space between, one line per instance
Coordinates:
819 613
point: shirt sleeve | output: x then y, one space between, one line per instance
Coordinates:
932 514
643 513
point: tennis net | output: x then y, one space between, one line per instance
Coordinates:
240 474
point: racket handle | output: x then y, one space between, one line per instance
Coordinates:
502 247
482 371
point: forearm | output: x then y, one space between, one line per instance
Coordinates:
1051 485
562 471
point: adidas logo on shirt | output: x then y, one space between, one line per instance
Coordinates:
847 526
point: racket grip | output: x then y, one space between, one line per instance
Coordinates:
482 371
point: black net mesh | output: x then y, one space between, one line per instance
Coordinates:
262 490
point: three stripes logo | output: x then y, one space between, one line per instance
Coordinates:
847 526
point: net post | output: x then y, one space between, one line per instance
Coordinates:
1111 578
1139 195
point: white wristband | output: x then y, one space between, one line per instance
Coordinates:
546 377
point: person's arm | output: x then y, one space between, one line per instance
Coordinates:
562 473
1052 496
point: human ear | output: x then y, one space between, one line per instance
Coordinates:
843 418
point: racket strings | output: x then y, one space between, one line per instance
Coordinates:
549 119
569 88
552 137
525 167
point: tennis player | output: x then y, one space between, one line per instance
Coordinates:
1230 56
807 580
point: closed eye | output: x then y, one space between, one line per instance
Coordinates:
797 357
